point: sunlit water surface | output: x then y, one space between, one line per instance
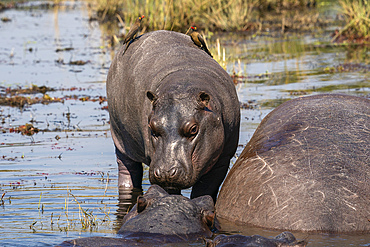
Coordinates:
61 183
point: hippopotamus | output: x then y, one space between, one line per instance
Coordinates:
175 109
159 218
306 168
282 240
174 216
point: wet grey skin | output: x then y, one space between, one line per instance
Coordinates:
173 108
284 239
306 168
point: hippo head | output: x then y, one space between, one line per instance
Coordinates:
158 212
187 138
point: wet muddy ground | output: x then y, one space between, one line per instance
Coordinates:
57 166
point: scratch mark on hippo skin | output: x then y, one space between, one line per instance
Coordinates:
278 211
265 165
300 143
308 156
268 180
290 198
282 208
349 205
353 194
275 197
322 193
257 197
293 176
250 198
298 221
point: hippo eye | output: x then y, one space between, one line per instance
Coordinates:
190 129
153 130
153 133
193 130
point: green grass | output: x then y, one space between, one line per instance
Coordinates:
179 15
357 17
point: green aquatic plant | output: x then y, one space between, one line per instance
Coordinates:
357 16
286 4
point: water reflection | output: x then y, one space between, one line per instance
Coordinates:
126 200
272 69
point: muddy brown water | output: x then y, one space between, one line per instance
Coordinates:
60 183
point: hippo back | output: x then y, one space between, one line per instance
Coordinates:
306 168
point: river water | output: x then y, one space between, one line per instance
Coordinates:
61 183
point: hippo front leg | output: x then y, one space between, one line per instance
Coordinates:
210 182
130 173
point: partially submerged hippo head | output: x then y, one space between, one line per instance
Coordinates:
173 218
187 138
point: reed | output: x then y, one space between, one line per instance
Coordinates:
286 4
357 17
178 15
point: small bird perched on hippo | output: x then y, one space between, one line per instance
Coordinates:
174 109
134 30
198 40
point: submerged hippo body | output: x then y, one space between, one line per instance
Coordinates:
282 240
306 168
159 218
175 109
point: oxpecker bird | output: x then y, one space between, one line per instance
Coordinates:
134 30
198 40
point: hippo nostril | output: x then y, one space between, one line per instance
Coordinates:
172 173
157 173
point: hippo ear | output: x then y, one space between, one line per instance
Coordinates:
204 98
151 96
141 204
209 218
207 206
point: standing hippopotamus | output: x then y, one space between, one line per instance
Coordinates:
173 108
159 218
306 168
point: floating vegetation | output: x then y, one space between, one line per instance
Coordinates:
6 19
357 16
19 97
33 89
21 101
64 49
273 103
2 199
251 104
347 67
27 129
297 92
76 62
